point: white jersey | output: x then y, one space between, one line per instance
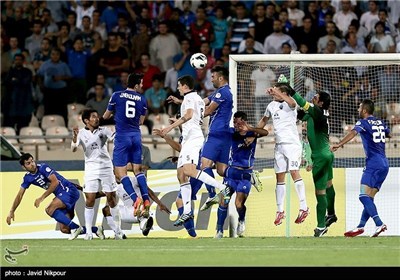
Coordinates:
284 121
94 144
192 128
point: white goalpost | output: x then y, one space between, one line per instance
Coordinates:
349 78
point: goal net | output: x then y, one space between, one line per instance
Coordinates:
349 78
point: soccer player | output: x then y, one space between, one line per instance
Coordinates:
373 132
62 207
189 224
288 149
98 167
126 210
217 145
241 161
192 110
316 114
129 109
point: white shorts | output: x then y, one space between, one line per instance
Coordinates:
190 152
127 214
103 183
287 157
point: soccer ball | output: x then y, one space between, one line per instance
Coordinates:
198 61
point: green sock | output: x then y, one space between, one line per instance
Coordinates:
321 209
330 196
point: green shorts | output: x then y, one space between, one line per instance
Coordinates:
322 169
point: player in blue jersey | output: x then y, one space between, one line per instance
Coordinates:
217 145
373 133
66 194
241 162
129 108
216 148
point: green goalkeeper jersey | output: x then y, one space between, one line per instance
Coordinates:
317 125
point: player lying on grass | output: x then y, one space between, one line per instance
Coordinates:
126 209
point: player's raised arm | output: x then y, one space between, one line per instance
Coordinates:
75 142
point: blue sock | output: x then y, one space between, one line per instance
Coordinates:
127 184
221 216
60 217
143 186
364 219
195 183
370 207
241 213
188 225
210 189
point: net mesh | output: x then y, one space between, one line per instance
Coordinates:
348 82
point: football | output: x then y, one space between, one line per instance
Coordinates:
198 61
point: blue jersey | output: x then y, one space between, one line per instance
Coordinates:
128 106
241 155
373 133
41 179
220 119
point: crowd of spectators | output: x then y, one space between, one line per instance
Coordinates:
82 51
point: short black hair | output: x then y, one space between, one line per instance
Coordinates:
86 114
221 70
325 98
134 79
24 157
240 114
368 105
284 87
187 80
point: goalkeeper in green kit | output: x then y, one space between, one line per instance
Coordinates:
316 114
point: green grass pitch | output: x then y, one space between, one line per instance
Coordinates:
238 252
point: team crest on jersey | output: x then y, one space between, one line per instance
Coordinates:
48 169
218 95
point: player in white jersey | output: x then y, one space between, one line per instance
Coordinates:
288 150
192 112
125 205
98 166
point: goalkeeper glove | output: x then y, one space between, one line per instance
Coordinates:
282 81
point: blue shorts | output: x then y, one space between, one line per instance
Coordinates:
217 147
69 195
374 177
127 149
239 186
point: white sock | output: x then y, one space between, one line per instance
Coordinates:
137 190
116 217
111 223
89 214
186 193
280 193
301 193
207 179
